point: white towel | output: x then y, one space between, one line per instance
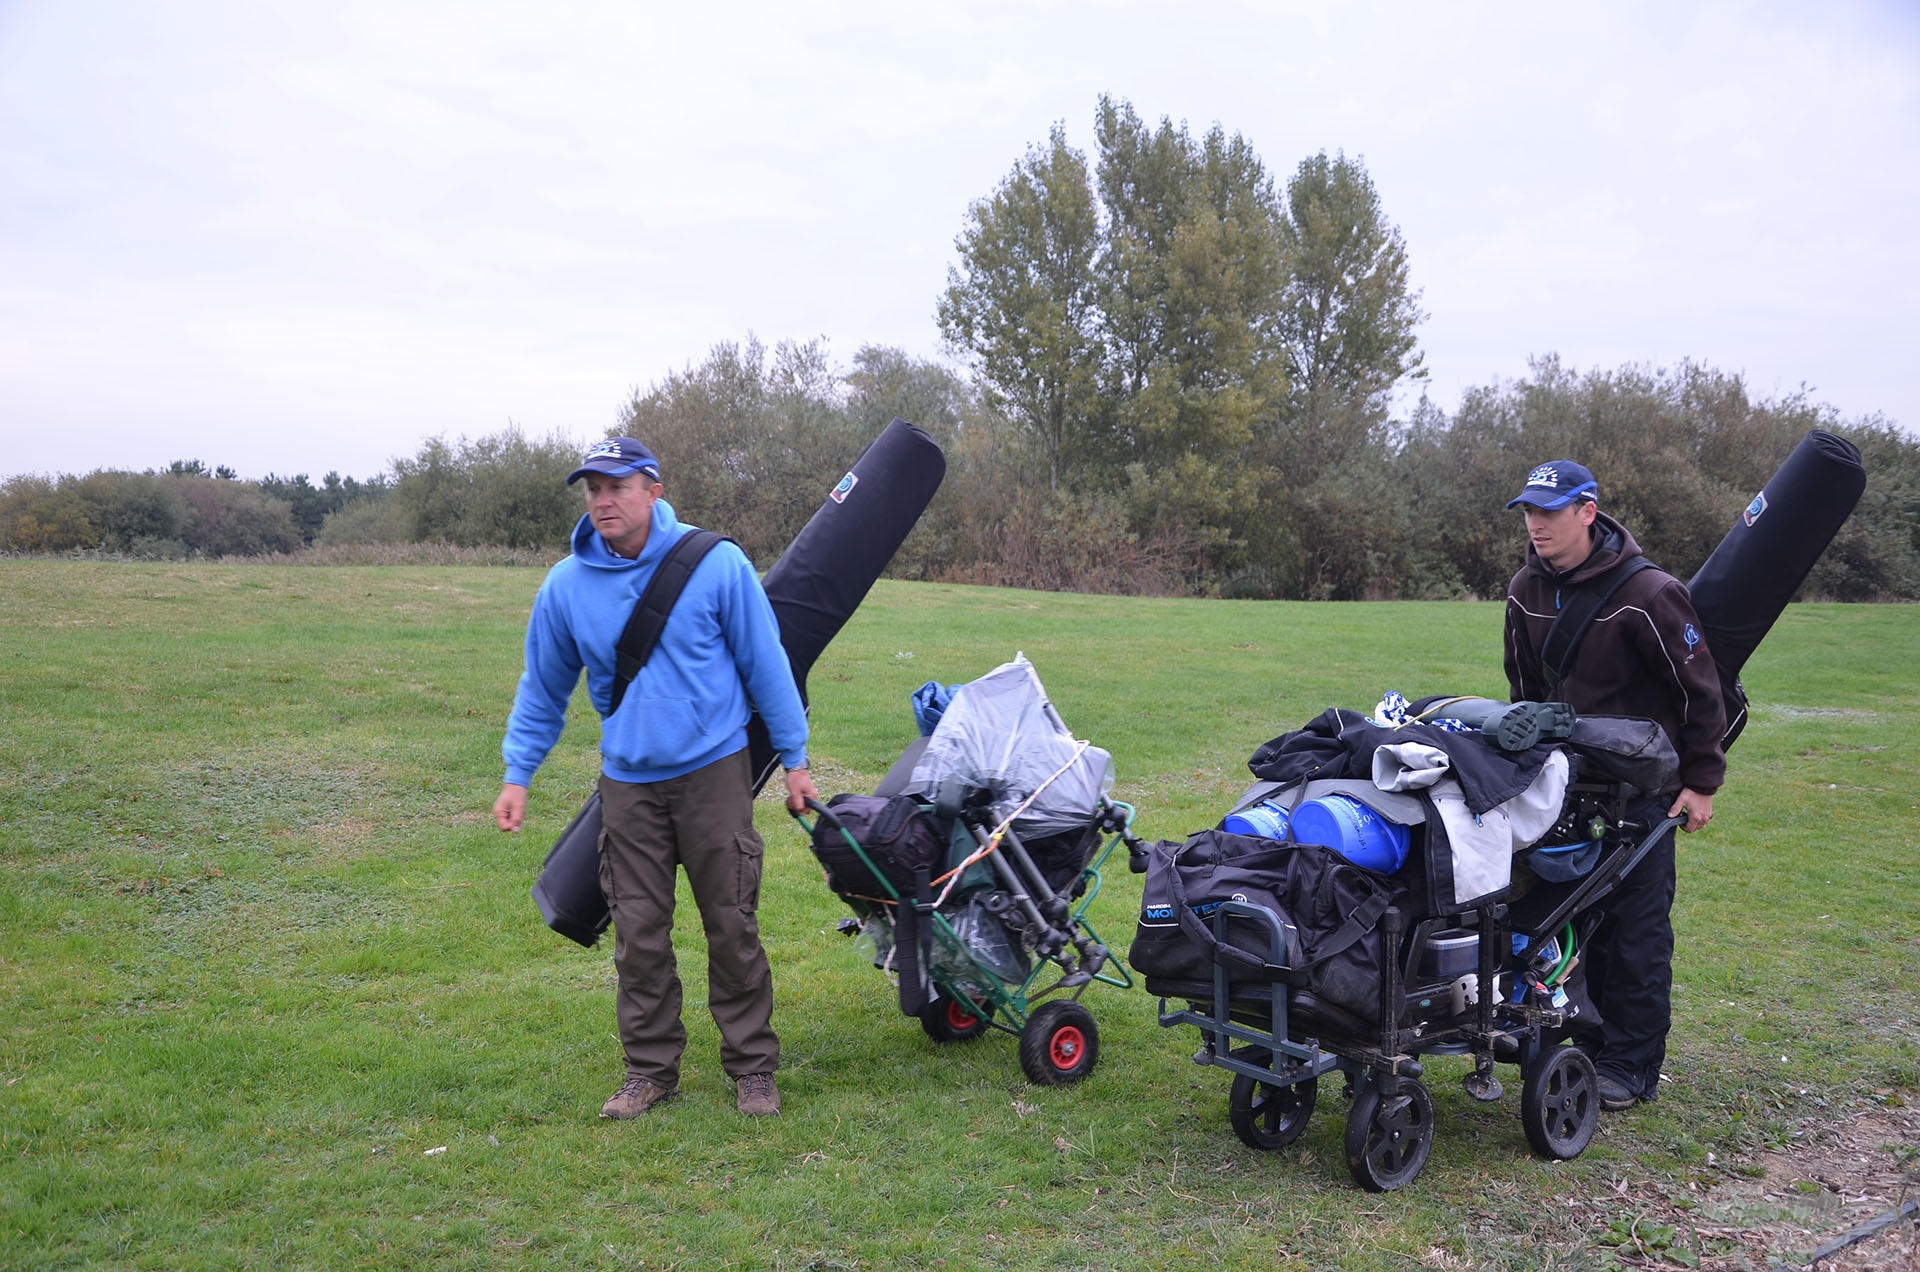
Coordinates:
1483 846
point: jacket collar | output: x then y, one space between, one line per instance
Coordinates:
1612 544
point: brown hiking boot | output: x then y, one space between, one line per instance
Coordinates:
635 1096
758 1096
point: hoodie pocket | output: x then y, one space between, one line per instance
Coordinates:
655 733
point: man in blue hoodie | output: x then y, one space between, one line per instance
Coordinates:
675 785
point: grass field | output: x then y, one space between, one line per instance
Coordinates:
263 956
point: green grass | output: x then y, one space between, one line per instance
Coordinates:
261 950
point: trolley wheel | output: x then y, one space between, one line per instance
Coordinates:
1059 1044
1388 1136
1560 1103
1268 1115
949 1019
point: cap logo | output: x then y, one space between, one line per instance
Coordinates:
1545 475
840 492
609 449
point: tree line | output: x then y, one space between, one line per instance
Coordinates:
184 510
752 438
1175 376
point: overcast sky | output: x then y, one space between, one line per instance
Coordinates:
305 236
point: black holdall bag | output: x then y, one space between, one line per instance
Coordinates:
1333 906
896 835
568 889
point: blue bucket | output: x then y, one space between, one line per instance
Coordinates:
1353 830
1266 819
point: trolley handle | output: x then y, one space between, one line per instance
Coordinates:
1598 884
1283 937
822 815
1117 818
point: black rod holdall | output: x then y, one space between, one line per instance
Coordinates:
568 889
1742 589
845 546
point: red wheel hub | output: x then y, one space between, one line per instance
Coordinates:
1066 1047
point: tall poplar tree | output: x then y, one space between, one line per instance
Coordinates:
1349 313
1021 305
1347 328
1191 283
1179 332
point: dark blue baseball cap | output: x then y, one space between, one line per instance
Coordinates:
1555 484
617 457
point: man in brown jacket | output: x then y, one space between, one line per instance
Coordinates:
1644 655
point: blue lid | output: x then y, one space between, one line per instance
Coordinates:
1353 830
1265 819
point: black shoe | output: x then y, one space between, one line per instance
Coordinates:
1614 1095
1521 725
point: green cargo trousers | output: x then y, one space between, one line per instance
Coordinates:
702 821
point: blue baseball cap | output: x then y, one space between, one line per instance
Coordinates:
1555 484
616 457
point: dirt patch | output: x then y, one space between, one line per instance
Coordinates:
1784 1207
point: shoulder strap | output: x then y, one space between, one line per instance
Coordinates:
650 615
1577 614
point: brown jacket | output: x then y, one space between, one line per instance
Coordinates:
1645 654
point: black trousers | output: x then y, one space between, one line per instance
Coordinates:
1629 966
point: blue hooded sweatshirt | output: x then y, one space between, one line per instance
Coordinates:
689 705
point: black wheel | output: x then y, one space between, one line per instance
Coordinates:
1059 1044
1560 1104
952 1020
1389 1136
1268 1115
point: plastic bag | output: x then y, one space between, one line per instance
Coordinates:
1000 734
989 943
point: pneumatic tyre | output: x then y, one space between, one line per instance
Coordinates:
952 1020
1059 1044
